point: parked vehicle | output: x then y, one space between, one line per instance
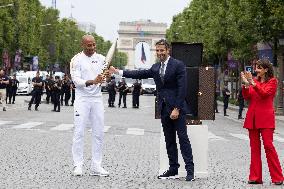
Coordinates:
148 86
25 84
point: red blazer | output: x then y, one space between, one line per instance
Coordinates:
260 112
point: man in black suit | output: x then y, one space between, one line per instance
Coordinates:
169 75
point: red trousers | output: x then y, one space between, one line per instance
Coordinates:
271 155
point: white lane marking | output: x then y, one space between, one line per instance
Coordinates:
212 136
135 131
245 137
4 122
240 136
106 128
28 125
63 127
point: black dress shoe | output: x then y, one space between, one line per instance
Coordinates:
278 183
189 178
29 108
254 182
169 174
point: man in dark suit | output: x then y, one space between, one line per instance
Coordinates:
169 75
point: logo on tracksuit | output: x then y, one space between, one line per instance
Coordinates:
77 114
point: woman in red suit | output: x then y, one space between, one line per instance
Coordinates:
260 120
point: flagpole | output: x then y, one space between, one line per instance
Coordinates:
72 10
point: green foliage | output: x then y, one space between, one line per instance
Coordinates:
119 60
223 25
38 31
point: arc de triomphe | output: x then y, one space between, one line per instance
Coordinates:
137 39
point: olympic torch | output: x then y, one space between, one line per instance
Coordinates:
109 57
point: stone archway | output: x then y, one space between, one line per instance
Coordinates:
132 34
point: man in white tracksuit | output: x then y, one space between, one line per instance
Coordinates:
86 68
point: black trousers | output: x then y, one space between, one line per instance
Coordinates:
170 128
56 98
67 95
36 97
122 95
12 94
135 100
241 108
226 104
48 95
73 97
111 98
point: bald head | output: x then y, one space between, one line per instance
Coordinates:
89 45
87 38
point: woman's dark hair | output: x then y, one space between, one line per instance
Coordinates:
266 64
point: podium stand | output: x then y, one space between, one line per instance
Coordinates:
198 136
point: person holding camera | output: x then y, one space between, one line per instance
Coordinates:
260 121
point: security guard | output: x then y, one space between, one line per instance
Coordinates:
14 83
122 89
37 91
4 81
73 87
56 90
47 88
65 90
136 93
111 92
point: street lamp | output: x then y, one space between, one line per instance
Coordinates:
280 59
8 5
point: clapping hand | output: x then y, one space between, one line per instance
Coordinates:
244 78
248 77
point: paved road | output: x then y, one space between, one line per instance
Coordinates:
35 150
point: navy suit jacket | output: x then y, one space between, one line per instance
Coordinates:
173 90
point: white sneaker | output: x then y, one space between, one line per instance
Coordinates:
78 171
99 172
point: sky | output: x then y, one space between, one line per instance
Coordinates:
106 14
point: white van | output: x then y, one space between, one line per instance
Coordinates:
25 84
148 86
60 74
25 81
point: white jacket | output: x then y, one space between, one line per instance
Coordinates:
83 68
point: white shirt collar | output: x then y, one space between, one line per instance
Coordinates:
166 62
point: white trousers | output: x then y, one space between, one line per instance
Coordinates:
3 97
85 109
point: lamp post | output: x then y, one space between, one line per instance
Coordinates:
280 62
